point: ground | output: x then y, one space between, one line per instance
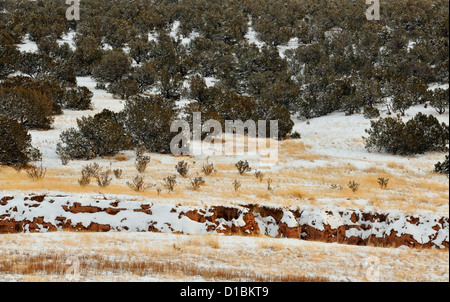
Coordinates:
311 171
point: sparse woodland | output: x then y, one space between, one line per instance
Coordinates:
341 63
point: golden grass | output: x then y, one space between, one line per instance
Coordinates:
409 189
122 257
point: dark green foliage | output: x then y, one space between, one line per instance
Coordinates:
8 54
28 102
124 88
148 120
419 135
77 98
401 103
100 135
440 100
15 143
112 67
371 112
442 167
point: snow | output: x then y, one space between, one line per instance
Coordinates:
28 45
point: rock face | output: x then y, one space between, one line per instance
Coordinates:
22 213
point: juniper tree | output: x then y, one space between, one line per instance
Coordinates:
99 135
15 143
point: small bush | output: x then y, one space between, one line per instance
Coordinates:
383 182
141 161
442 167
336 187
243 166
236 184
91 170
419 135
208 168
295 135
118 173
36 173
197 182
15 143
182 168
259 175
269 184
98 135
170 182
354 186
371 112
85 179
138 184
104 178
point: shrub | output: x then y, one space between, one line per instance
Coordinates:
197 182
104 178
22 99
100 135
236 184
440 100
147 120
170 182
371 112
79 98
354 186
118 173
36 173
91 170
141 161
208 168
295 135
383 182
269 184
112 67
442 167
138 184
418 135
15 144
124 88
243 166
182 167
85 179
259 175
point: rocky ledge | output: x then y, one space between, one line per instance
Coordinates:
41 213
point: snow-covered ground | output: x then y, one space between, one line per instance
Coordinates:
330 153
168 257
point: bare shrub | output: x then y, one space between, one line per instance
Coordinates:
138 184
236 184
208 168
269 184
141 161
64 159
354 186
118 173
85 178
92 170
259 175
182 167
197 182
383 182
36 173
337 187
243 166
170 182
104 178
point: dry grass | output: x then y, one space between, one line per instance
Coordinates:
411 188
125 257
